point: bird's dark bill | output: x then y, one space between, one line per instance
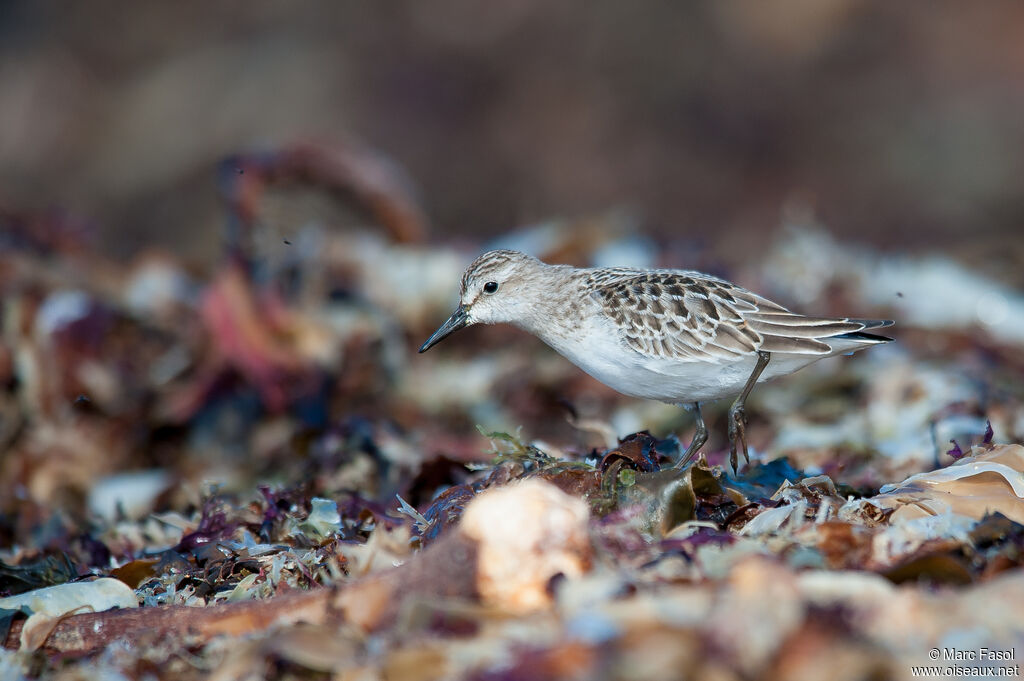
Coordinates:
458 320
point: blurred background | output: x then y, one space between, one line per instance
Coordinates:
898 124
226 228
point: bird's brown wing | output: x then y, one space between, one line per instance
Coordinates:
689 316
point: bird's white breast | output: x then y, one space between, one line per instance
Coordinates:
596 347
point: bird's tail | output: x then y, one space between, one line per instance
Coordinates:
863 336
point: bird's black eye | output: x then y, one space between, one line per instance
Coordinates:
490 287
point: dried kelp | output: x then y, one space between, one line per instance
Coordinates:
363 525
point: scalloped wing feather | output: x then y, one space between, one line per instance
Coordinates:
689 316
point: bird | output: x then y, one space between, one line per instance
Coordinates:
673 335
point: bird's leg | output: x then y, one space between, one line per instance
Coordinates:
737 415
699 438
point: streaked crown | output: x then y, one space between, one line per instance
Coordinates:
490 264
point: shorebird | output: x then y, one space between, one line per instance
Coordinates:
677 336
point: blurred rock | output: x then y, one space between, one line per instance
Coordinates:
527 533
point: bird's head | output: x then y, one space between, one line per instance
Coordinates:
496 287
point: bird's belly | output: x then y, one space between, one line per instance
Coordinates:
667 380
688 381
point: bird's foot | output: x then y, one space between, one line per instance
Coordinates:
737 435
700 436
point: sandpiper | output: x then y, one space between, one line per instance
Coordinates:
677 336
